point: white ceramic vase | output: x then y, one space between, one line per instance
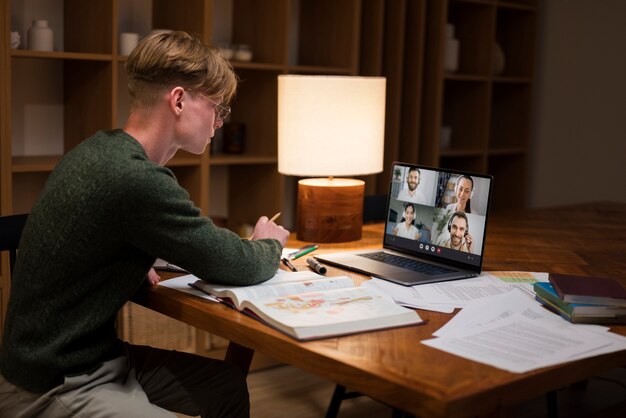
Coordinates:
40 36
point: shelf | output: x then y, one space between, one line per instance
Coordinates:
527 5
256 66
35 164
473 26
184 159
512 80
465 77
25 53
507 152
510 115
515 30
310 69
465 110
239 159
451 152
483 2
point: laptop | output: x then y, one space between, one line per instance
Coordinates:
435 228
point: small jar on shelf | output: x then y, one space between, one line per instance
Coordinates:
40 36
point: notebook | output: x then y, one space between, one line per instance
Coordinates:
435 228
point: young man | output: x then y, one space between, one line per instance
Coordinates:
108 210
410 193
460 238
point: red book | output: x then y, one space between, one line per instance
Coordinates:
589 290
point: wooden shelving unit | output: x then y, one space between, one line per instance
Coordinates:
51 101
81 88
489 113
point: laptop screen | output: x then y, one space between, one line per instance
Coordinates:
439 214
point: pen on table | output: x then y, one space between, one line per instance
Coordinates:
315 265
303 251
288 264
272 219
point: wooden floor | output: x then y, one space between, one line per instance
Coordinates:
285 391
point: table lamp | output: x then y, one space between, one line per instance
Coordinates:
330 126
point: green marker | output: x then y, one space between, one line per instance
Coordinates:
302 251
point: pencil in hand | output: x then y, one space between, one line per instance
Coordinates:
272 219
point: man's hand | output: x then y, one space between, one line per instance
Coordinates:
469 243
266 229
152 277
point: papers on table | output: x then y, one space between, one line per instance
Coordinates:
513 332
446 296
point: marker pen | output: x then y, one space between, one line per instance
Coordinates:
302 251
288 264
316 266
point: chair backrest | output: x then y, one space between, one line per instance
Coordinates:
10 233
374 207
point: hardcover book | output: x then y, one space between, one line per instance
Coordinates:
306 305
589 290
578 312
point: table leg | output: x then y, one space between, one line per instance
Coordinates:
239 356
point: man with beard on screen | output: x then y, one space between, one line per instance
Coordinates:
410 193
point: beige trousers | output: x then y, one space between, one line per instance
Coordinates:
147 382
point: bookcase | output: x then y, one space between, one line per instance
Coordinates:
485 105
51 101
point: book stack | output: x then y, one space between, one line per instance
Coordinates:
580 299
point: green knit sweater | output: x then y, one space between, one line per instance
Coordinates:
105 214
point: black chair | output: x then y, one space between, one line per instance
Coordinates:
374 207
10 233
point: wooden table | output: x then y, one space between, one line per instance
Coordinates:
392 366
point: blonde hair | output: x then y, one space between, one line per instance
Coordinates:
165 60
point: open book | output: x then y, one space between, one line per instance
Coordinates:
306 305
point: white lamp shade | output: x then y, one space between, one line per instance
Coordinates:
330 125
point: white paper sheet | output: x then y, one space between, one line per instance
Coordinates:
460 293
512 332
407 296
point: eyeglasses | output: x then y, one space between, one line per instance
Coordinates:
222 112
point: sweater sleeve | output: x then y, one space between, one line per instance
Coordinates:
171 227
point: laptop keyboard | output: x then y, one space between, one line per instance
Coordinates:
407 263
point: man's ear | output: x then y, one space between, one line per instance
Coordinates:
177 102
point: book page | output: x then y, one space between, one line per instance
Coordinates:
290 288
283 283
319 309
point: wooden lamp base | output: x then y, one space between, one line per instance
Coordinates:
330 210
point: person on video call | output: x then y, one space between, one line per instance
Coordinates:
405 228
463 192
109 209
410 193
460 238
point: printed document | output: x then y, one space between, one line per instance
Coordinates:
514 333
